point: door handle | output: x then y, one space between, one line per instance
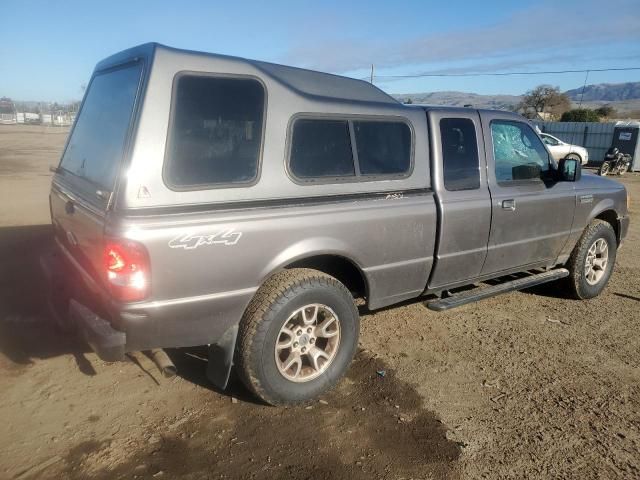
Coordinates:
509 204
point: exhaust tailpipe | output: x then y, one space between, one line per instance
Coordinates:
164 363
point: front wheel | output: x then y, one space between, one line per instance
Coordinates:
591 262
297 337
604 168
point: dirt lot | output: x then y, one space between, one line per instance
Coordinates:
526 385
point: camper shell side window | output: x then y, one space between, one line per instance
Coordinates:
215 131
335 149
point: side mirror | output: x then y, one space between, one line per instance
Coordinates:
569 169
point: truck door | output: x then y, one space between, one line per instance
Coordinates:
532 214
460 180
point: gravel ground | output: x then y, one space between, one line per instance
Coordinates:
524 385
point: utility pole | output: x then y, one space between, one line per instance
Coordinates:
372 68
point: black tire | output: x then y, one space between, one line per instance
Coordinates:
604 168
276 300
579 287
575 156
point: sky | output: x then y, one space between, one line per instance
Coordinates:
49 48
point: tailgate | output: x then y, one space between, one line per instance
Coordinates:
88 172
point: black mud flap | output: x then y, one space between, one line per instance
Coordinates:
221 358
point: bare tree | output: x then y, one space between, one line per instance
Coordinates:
544 99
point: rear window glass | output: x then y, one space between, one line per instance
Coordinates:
216 131
321 148
384 148
459 154
96 145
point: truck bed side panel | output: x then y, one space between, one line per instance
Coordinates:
215 261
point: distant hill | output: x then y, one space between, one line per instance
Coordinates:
607 92
624 97
460 99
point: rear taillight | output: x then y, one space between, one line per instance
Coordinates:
128 270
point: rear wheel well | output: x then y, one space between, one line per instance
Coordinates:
611 217
338 267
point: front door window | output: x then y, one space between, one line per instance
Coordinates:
519 154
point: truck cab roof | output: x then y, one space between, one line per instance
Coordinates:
452 109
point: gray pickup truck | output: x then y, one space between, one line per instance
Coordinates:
209 200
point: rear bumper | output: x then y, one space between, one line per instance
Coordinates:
112 329
67 298
107 342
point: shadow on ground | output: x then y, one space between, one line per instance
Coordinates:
27 331
191 364
628 297
371 426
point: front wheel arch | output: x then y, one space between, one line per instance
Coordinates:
611 217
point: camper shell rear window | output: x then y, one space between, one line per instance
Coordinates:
215 132
96 146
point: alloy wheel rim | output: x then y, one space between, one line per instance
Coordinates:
307 343
596 261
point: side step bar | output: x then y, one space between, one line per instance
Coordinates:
481 293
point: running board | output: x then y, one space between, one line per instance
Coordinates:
481 293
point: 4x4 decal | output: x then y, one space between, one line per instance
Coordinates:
189 241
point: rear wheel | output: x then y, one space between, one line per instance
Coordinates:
592 260
604 168
575 156
297 337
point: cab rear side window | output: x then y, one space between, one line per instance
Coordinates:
461 166
216 132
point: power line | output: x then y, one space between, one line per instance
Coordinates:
504 74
